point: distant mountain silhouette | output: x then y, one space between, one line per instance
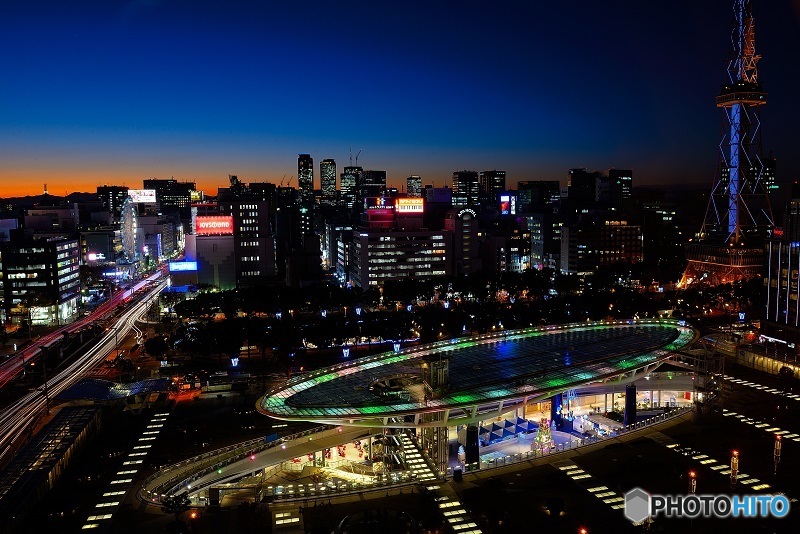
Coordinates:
49 200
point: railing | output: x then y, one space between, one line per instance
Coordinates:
570 445
196 467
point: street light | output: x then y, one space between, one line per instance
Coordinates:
692 482
777 452
734 467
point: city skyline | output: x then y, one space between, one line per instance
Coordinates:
99 94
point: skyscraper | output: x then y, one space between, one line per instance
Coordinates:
327 176
305 176
414 186
349 180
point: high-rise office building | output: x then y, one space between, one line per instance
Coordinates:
305 176
171 193
534 194
42 278
621 181
327 177
372 184
466 183
492 183
582 186
414 186
348 183
112 197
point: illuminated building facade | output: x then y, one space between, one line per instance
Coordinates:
305 176
380 255
327 177
466 184
414 186
588 245
491 184
41 278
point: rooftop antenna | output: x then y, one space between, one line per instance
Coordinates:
45 188
351 156
359 153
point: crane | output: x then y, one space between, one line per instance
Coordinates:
282 179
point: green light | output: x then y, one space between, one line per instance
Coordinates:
371 409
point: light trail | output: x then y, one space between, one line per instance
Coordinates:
18 417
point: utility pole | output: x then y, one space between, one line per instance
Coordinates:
45 353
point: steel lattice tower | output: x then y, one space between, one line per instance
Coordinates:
739 216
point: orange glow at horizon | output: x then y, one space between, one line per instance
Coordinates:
60 183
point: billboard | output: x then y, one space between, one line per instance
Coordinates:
142 196
410 205
378 203
213 225
508 205
182 266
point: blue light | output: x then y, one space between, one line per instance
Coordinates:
358 310
346 352
408 307
396 346
446 305
324 313
182 266
234 362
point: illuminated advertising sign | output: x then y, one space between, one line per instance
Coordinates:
182 266
195 196
508 205
142 196
213 225
378 203
410 205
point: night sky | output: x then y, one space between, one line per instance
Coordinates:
116 92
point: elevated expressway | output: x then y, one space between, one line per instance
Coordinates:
17 418
484 377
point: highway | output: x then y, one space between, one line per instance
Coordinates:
12 366
16 418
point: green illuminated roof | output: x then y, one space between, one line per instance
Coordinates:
482 369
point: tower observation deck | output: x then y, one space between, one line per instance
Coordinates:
739 216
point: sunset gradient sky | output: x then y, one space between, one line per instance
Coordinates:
108 92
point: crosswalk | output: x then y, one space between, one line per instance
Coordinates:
766 427
760 387
720 467
615 500
123 481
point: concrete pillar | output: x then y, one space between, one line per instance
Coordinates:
555 405
605 402
630 405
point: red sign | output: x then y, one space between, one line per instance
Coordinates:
213 225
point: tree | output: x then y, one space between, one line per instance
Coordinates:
156 346
176 504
